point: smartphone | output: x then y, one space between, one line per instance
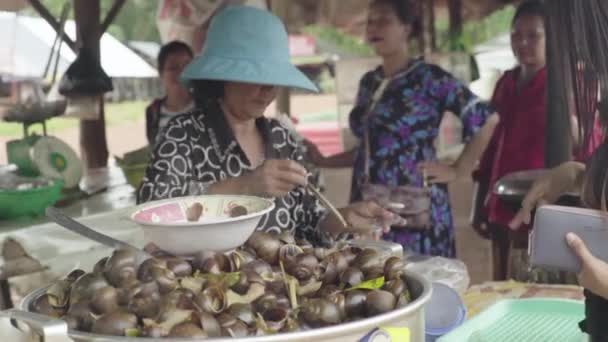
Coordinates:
548 247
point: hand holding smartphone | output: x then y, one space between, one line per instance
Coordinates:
548 247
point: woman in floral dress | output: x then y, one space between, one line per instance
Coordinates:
404 124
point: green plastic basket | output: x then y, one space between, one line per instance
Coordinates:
33 202
523 320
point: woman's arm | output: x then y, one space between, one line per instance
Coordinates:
478 119
275 178
364 218
465 164
344 159
567 177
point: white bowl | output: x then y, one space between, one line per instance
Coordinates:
164 223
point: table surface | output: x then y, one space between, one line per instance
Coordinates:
479 297
108 212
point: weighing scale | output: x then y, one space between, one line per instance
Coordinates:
42 155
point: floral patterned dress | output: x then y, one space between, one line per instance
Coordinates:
403 126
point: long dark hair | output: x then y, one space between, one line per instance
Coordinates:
406 11
169 49
595 184
206 91
531 8
577 65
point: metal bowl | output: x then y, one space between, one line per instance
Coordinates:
411 316
512 188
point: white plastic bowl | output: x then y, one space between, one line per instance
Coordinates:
164 223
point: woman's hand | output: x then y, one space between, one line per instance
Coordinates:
368 219
313 153
594 272
438 173
274 178
564 178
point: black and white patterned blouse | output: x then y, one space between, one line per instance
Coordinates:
199 148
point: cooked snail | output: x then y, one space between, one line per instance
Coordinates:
274 283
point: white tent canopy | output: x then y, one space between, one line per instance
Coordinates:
495 55
27 41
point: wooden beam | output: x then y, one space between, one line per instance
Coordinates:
93 143
46 15
455 9
433 31
112 13
428 27
283 103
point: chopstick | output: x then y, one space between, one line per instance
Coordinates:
327 204
425 180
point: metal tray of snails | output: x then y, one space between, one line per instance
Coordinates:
273 288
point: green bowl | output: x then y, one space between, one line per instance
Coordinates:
134 173
33 202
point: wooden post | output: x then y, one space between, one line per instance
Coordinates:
280 9
420 9
428 27
431 19
455 9
93 144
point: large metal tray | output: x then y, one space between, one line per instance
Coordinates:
411 317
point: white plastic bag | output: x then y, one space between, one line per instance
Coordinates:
83 107
184 19
180 19
450 272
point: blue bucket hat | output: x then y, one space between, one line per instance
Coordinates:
246 44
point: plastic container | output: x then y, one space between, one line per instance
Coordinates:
444 312
32 202
134 164
524 320
134 173
450 272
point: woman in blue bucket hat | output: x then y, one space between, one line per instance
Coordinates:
227 146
